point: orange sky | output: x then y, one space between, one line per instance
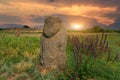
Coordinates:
32 12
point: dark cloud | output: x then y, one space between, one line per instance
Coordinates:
51 0
111 15
38 19
115 25
4 2
9 19
103 3
118 10
100 3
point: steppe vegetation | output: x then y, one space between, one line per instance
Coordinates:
90 56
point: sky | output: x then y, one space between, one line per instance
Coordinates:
88 13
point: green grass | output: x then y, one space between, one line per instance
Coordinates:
19 57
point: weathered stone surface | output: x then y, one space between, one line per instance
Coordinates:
53 49
52 26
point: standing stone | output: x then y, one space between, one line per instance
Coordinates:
53 43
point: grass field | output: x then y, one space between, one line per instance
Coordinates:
19 57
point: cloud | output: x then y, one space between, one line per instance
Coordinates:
51 0
38 19
4 2
69 19
9 19
85 21
88 12
100 3
116 24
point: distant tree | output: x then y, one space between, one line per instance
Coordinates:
109 31
97 29
26 26
1 29
118 31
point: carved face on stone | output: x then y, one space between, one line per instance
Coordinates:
52 26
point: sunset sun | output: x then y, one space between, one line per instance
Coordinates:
77 26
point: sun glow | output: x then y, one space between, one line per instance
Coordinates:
77 26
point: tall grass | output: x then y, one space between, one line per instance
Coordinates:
92 57
19 57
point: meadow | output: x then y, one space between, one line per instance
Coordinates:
19 59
